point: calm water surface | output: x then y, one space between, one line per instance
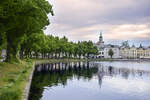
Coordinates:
91 81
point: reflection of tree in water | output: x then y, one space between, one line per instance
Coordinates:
120 72
54 74
47 75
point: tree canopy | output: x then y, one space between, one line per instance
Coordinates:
19 18
111 52
48 46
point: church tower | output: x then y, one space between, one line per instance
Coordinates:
100 42
100 37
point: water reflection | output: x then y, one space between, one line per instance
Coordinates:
110 79
58 73
122 72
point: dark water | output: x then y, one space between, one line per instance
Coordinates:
91 81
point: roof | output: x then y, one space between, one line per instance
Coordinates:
111 46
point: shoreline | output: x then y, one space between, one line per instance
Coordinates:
25 94
26 91
122 60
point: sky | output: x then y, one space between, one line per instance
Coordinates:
119 20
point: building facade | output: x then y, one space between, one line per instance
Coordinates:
115 50
104 49
124 51
135 52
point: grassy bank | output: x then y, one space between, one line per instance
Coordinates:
68 60
56 60
13 79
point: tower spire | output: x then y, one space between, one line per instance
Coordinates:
101 37
101 42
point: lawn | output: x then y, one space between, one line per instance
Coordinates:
13 79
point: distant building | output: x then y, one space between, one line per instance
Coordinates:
104 49
100 46
123 51
115 49
135 52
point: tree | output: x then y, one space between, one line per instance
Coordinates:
111 53
71 48
95 50
33 43
19 18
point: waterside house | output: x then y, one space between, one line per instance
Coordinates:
124 51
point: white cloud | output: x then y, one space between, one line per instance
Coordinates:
83 19
127 86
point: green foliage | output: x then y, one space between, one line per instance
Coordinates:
48 45
111 53
10 94
58 76
19 18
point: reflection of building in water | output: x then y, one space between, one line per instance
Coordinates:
100 77
87 70
125 73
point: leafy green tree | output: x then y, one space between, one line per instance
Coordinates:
21 17
71 48
51 45
89 48
33 43
63 46
111 53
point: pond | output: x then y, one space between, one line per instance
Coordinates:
91 81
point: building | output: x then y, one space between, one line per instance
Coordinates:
104 49
123 51
135 52
100 46
114 48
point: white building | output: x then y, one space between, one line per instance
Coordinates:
104 49
124 51
100 46
114 48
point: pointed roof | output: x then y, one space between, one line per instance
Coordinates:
140 46
101 37
133 46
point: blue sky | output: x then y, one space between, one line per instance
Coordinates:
118 19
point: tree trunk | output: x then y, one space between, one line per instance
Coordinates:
59 55
69 55
55 55
88 55
30 54
36 55
21 53
11 51
42 55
